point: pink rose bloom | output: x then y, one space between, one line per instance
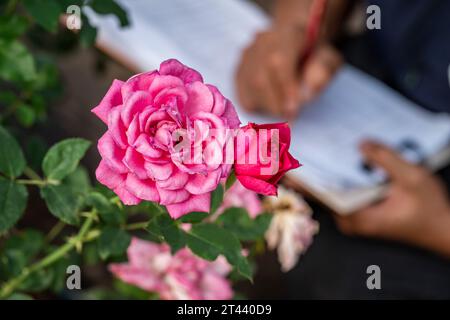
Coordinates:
140 159
182 276
238 196
263 157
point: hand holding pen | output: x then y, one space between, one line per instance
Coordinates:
286 66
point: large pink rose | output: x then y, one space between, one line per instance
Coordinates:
181 276
148 117
262 156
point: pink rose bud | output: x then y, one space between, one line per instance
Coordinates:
262 156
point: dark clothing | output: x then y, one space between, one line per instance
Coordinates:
411 52
413 45
335 268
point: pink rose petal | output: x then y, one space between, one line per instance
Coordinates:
197 203
135 104
112 153
112 98
176 68
135 163
142 189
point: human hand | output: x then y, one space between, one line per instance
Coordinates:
416 209
268 75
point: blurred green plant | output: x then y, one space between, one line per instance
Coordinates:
29 78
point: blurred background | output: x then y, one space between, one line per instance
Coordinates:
333 267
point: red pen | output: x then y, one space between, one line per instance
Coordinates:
316 14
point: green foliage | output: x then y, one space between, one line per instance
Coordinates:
88 32
110 7
216 198
35 149
230 180
113 242
245 228
108 212
12 160
31 79
208 241
166 229
20 296
45 12
12 27
193 217
63 158
61 202
18 251
16 63
13 199
130 292
25 115
79 181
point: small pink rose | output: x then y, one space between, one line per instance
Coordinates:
262 156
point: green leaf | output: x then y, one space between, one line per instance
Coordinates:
37 281
29 241
216 198
152 208
62 202
242 266
88 32
35 149
130 292
79 181
166 228
90 254
12 263
46 78
111 7
16 63
63 158
13 201
12 26
25 115
230 180
19 250
193 217
107 211
45 12
20 296
7 98
208 241
12 160
242 225
113 242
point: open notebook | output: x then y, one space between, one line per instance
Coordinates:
209 35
